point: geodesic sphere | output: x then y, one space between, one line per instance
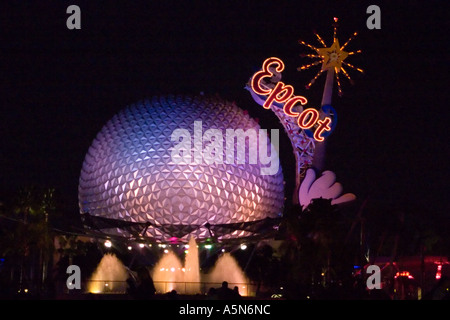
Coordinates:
129 173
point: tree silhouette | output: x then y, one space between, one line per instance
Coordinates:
314 253
26 241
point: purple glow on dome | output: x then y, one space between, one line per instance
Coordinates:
128 174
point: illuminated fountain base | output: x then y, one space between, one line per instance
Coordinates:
109 277
169 273
227 269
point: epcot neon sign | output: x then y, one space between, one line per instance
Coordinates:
308 119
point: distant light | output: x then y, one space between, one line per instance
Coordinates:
186 251
141 245
243 246
404 274
186 246
166 251
223 250
25 290
108 244
129 248
208 246
439 272
149 245
172 269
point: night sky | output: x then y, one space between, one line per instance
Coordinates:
59 87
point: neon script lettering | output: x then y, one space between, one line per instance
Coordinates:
282 93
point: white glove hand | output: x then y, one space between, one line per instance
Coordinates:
324 187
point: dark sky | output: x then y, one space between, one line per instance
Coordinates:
59 87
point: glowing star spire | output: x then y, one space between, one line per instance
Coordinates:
331 58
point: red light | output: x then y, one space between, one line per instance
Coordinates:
403 274
438 272
173 240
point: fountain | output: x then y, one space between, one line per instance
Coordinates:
109 277
192 273
169 273
227 269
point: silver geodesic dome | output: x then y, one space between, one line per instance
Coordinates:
129 175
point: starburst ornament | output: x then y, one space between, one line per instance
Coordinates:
331 58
